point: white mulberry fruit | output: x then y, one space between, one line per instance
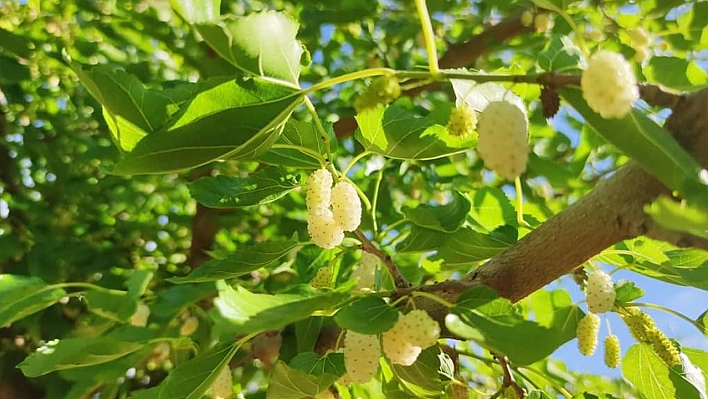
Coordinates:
346 206
503 142
412 333
366 271
319 191
323 230
609 85
361 356
588 328
600 292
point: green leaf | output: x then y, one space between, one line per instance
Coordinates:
676 73
379 316
23 296
423 378
702 321
648 144
627 291
131 110
420 240
467 247
678 216
446 218
197 11
653 378
536 394
288 383
191 379
260 187
219 122
496 324
176 298
243 261
310 362
152 393
263 44
560 55
75 353
398 133
298 144
111 306
250 312
491 208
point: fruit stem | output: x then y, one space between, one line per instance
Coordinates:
432 297
304 150
85 285
324 136
354 160
520 203
366 73
429 36
375 201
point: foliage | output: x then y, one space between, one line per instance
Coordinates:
145 250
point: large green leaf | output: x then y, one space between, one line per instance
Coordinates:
243 261
260 187
676 73
197 11
648 144
23 296
423 378
131 110
421 240
491 208
298 144
312 363
653 378
560 55
152 393
76 352
250 312
190 380
263 44
398 133
235 118
446 218
678 216
498 325
116 306
378 314
289 383
178 297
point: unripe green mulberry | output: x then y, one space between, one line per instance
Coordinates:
510 393
527 18
383 90
543 22
664 347
323 278
463 121
588 328
612 351
639 37
459 392
640 324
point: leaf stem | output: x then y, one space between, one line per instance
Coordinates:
375 201
520 203
304 150
429 36
348 78
390 227
555 385
354 160
94 287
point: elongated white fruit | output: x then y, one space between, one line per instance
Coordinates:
361 356
319 191
503 141
600 292
323 230
346 206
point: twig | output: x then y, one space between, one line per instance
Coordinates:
367 246
508 379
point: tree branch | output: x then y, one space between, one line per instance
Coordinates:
508 379
677 238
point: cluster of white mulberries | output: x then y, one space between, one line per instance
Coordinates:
600 292
609 85
412 333
361 356
327 226
222 387
503 142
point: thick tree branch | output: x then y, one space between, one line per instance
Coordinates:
677 238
